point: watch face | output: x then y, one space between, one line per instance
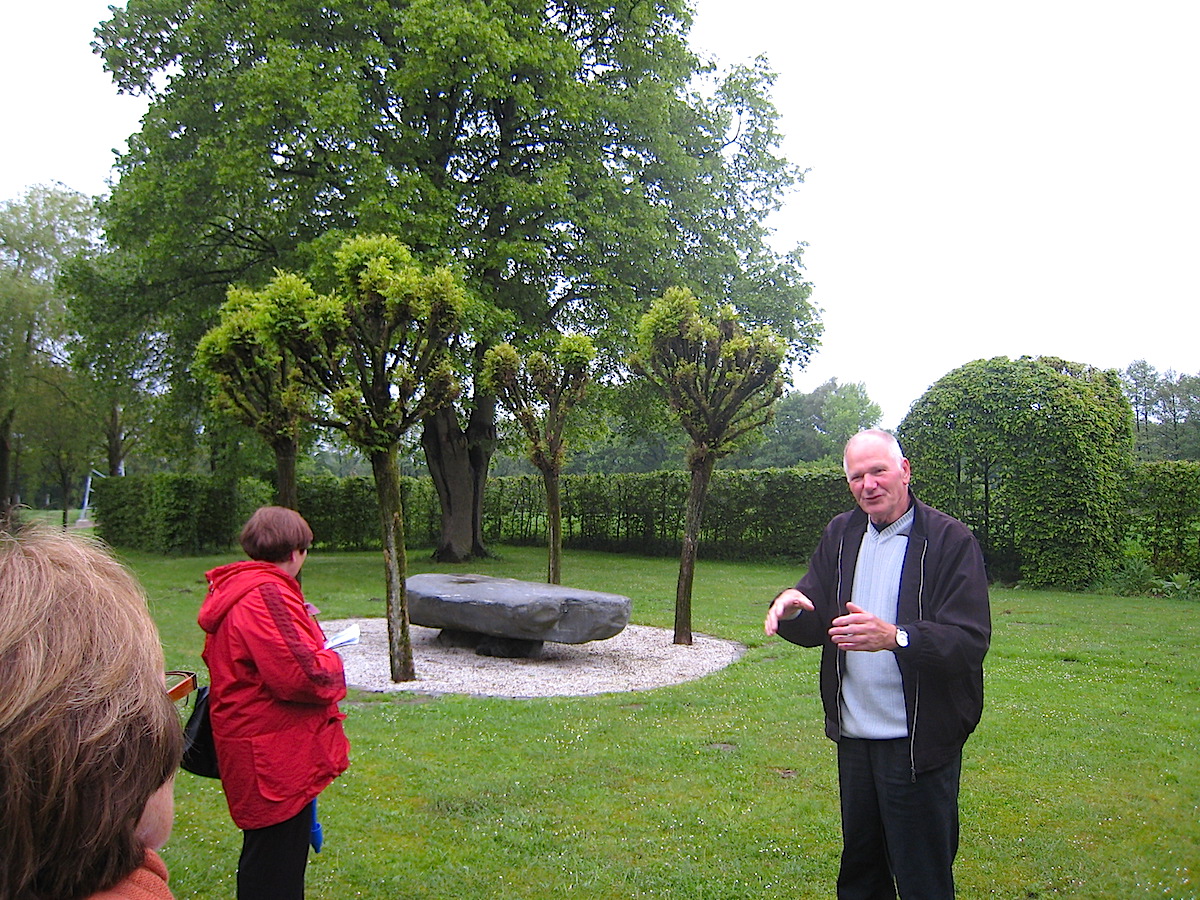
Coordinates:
901 637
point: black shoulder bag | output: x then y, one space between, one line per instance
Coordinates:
199 751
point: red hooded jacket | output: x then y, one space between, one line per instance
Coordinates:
274 690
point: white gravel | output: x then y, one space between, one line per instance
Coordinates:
637 659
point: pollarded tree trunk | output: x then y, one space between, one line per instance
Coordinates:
552 482
702 470
458 462
395 562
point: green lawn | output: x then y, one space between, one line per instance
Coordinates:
1082 781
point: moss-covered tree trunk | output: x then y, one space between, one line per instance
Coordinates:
395 562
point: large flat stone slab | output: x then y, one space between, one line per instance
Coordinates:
510 608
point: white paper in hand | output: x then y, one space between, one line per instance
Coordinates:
344 638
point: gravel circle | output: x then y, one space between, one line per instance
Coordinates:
637 659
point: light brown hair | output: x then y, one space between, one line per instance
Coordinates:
273 532
87 732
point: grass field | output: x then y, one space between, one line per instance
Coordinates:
1082 781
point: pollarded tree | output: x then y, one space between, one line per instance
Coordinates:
722 380
571 155
252 379
540 393
376 352
1033 455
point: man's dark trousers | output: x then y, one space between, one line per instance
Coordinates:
899 834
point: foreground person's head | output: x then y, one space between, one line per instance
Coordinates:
89 740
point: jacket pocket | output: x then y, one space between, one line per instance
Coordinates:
284 762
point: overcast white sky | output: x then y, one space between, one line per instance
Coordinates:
985 179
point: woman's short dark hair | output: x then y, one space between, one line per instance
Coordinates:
87 732
273 532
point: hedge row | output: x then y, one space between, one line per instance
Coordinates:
194 514
774 513
1164 506
749 514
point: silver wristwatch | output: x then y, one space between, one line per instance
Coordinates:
901 637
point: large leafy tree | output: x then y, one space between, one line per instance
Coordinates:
811 427
120 358
375 351
541 391
570 155
722 380
1033 454
58 430
1166 409
39 232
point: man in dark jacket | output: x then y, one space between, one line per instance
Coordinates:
896 597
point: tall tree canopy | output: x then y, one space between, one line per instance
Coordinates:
1033 454
39 232
571 156
811 427
1166 410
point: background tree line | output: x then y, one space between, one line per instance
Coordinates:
1166 409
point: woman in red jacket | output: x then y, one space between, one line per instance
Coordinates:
273 702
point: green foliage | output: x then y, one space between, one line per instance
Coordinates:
1166 409
376 350
246 370
344 512
751 514
1180 586
1033 454
810 427
517 137
120 507
570 157
180 514
720 378
1132 578
39 233
1165 514
541 391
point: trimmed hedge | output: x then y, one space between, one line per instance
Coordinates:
772 513
1164 515
778 513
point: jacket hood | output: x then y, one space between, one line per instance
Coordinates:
228 584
